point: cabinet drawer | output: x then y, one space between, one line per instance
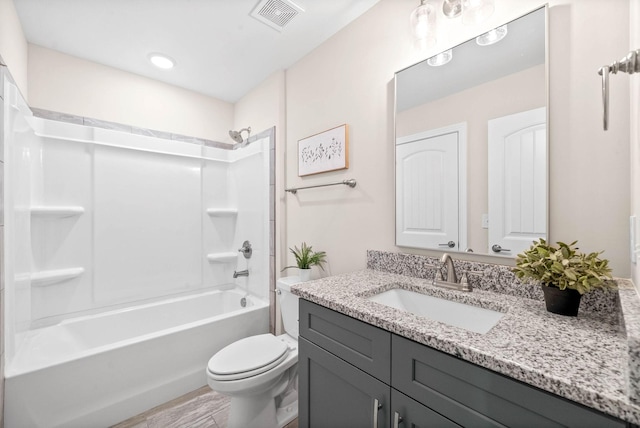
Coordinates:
363 345
466 392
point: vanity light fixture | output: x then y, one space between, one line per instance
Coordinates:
441 59
452 8
492 36
423 22
476 11
472 11
424 18
161 61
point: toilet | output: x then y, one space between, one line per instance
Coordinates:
260 373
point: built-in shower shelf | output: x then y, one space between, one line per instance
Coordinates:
222 212
222 257
57 211
49 277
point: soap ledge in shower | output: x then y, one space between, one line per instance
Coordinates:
222 212
50 277
222 257
57 211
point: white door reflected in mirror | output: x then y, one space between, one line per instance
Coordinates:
431 189
517 181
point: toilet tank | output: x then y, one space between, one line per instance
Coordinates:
288 304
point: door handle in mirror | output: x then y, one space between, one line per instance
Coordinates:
449 244
497 248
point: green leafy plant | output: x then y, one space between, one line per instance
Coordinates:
306 257
563 266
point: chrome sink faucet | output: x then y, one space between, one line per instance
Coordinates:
447 261
451 281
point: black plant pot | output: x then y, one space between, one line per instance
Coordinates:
562 302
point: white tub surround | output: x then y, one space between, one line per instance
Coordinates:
113 301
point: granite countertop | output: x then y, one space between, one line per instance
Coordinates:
584 358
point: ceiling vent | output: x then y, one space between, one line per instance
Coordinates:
276 13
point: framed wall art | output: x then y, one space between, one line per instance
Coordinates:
323 152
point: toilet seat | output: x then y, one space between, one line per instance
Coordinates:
247 357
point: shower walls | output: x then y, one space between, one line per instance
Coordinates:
102 219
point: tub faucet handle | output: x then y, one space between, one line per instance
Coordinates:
246 250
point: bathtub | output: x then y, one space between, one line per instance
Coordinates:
95 371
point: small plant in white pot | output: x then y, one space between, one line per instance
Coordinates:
307 258
565 273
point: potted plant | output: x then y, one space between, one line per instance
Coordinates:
565 273
306 258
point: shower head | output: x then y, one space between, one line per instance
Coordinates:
237 135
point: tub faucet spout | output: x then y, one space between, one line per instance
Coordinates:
241 273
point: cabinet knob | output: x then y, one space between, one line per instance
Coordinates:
449 244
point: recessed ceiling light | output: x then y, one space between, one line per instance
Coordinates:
161 61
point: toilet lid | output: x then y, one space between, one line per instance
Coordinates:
248 357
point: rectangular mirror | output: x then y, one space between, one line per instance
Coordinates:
472 143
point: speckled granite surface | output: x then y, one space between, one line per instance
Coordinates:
581 358
630 320
482 276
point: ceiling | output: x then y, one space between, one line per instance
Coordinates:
219 48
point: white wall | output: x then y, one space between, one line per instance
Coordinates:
13 45
67 84
262 108
349 79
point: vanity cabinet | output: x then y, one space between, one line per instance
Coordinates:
352 374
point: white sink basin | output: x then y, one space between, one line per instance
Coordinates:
472 318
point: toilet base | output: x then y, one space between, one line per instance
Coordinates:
250 413
273 409
287 414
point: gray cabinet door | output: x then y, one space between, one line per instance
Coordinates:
411 414
335 394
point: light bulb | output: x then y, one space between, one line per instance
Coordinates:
423 22
476 11
492 36
441 59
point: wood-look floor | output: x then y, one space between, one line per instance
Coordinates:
202 408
